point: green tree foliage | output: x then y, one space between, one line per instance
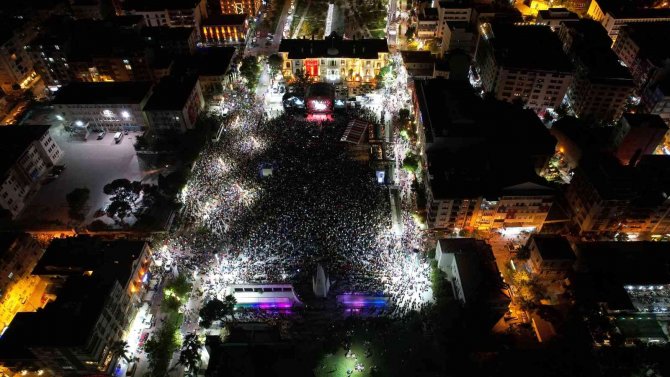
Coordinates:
411 162
213 310
250 70
76 201
179 286
189 355
275 63
409 34
161 345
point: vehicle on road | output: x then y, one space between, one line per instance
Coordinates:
101 135
118 137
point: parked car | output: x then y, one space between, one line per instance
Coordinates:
101 135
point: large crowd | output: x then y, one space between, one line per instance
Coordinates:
275 197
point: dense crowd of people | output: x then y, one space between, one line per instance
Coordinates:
275 197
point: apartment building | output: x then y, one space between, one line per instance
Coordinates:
452 11
614 15
537 77
248 7
28 152
16 68
601 86
98 285
19 290
550 255
638 135
643 52
482 159
225 29
111 106
426 23
605 196
175 104
459 35
172 13
656 98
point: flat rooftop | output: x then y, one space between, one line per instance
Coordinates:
94 93
532 47
171 93
553 247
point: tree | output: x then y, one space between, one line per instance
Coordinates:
189 356
76 201
403 114
249 69
161 345
179 286
119 209
409 34
116 185
120 349
213 310
230 301
411 162
275 63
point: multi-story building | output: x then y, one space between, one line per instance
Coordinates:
171 41
28 153
482 159
553 17
458 36
426 23
172 13
550 255
638 135
640 49
225 29
537 77
91 51
656 98
248 7
175 104
19 290
349 64
614 14
104 105
605 196
98 285
213 67
419 64
452 11
16 68
601 85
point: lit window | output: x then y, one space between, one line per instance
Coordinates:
107 113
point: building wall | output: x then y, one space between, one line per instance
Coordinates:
15 64
249 7
178 120
112 117
23 178
601 102
190 17
224 34
446 15
109 69
352 71
455 38
16 283
537 89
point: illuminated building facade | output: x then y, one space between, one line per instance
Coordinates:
614 15
172 13
16 68
175 104
537 77
99 286
225 29
248 7
640 50
350 64
19 291
601 86
108 106
28 154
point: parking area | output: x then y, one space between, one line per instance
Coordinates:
90 164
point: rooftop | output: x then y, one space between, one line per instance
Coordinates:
224 19
14 140
645 35
214 61
102 93
629 9
553 247
645 121
511 46
152 5
409 56
110 260
172 93
333 46
557 13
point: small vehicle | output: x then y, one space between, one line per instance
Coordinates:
131 369
117 137
101 135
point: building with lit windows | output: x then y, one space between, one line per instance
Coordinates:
98 286
452 11
537 77
349 64
175 104
248 7
606 196
640 49
16 68
19 290
225 29
108 106
482 159
28 153
172 13
601 86
614 14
